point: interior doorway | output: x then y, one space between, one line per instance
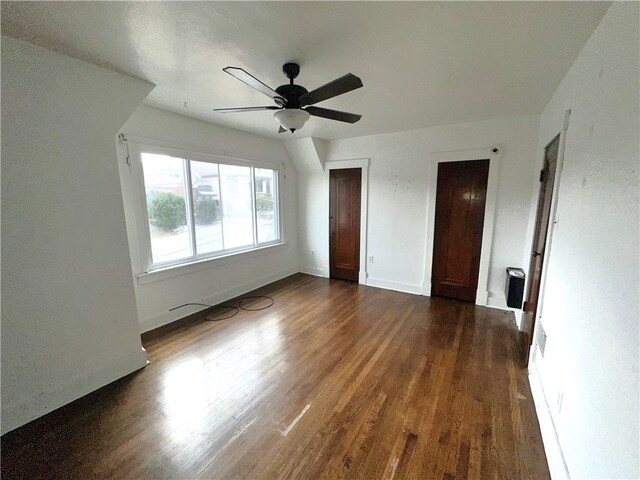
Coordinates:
345 187
530 307
459 221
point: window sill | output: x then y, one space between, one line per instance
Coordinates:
186 268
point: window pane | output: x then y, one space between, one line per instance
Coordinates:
237 215
164 182
206 206
266 204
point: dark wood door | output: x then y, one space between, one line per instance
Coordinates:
547 179
460 202
344 223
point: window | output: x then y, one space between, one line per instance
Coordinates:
199 209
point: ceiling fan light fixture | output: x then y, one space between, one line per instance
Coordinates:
291 119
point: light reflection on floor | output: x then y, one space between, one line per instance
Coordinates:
231 370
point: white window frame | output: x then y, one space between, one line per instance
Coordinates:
138 147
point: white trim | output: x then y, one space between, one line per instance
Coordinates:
187 268
254 217
281 174
14 416
551 227
147 324
498 300
188 201
205 153
553 450
202 157
315 271
341 164
397 286
143 243
482 294
362 163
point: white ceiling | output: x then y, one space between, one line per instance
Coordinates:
422 63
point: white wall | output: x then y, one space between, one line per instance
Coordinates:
398 189
313 223
69 322
219 279
590 306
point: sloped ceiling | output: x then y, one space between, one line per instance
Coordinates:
422 63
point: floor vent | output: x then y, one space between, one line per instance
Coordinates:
541 339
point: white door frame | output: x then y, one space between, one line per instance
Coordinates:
362 163
551 228
494 157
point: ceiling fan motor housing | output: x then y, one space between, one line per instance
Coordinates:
291 93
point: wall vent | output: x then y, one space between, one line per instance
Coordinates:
541 339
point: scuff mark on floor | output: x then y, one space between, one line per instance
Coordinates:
286 431
392 468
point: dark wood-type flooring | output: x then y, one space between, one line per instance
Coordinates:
334 380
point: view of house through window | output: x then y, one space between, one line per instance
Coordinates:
201 209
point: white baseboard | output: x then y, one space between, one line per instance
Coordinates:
482 297
14 416
315 271
219 297
497 300
518 315
552 448
397 286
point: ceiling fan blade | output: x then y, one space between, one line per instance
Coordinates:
334 114
254 83
282 129
245 109
332 89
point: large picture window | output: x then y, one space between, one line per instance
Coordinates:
199 209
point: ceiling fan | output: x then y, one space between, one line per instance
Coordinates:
294 103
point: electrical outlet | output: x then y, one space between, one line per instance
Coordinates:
313 253
371 259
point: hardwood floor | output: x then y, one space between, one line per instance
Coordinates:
334 380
